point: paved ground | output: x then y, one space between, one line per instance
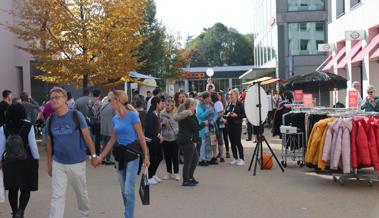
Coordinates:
224 191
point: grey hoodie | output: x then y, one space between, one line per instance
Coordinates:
169 131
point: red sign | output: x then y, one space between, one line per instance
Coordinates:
190 75
308 100
299 95
352 99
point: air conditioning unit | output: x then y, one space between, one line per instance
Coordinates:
326 47
355 35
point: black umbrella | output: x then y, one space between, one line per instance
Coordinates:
316 81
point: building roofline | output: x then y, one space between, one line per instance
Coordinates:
218 69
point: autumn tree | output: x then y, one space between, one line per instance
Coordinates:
81 42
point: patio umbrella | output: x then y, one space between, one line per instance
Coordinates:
316 81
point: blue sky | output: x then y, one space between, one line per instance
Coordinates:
191 16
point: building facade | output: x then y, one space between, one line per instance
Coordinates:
287 34
15 64
195 78
355 37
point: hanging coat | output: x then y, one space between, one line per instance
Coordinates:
346 145
364 159
330 140
372 144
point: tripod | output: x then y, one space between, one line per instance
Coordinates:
258 151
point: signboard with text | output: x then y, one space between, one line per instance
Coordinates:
308 100
353 99
299 95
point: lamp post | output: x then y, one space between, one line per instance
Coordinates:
210 72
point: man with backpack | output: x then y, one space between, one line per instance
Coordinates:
66 154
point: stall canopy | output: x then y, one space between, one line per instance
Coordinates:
313 82
339 54
354 50
369 47
140 76
256 73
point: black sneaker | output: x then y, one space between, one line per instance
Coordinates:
188 184
194 181
213 161
227 155
203 163
248 139
222 160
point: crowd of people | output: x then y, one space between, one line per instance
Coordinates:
196 129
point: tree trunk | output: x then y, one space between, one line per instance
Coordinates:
85 82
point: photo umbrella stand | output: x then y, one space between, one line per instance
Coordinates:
258 151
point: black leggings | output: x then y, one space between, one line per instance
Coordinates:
156 156
191 157
235 132
171 155
226 140
14 201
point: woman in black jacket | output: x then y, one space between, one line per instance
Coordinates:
154 138
188 138
234 114
20 176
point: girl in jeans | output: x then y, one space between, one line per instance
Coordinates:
170 147
126 130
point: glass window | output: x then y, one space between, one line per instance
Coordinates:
306 5
303 26
305 42
319 26
340 7
354 2
237 83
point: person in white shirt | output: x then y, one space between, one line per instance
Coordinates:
156 93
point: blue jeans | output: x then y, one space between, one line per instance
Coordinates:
127 178
205 149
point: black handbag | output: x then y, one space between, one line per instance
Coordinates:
144 189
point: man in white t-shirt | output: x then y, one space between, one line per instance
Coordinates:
219 109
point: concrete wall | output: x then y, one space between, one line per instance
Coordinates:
11 57
361 17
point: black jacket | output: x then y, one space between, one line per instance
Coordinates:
189 127
152 126
239 110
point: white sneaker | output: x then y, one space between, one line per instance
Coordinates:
152 181
167 176
240 162
176 177
157 179
234 162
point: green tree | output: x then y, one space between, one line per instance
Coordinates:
160 52
219 46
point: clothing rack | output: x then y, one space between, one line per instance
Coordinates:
365 174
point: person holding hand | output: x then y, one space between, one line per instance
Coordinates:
127 132
66 154
371 102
